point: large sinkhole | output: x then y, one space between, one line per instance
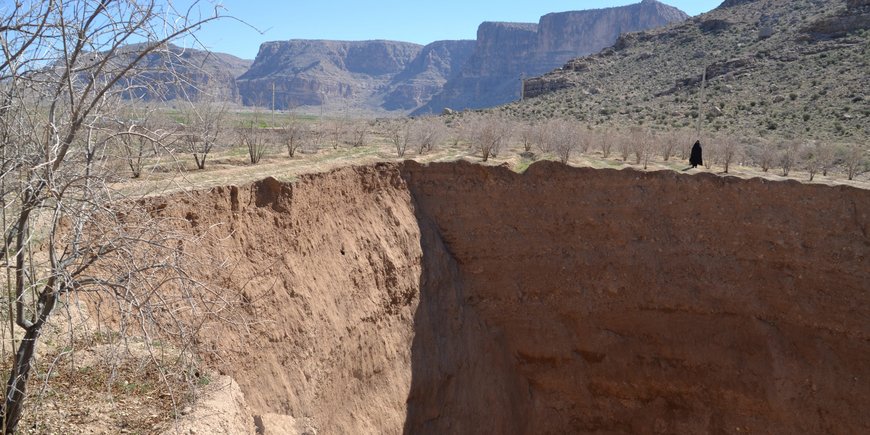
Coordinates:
457 298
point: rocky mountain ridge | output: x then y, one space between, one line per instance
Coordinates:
407 77
318 72
508 52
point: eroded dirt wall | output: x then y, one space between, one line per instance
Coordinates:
457 298
324 273
578 300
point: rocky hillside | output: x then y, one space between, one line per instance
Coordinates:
506 52
776 68
426 74
187 73
315 72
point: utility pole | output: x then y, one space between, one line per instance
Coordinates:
701 102
322 102
273 103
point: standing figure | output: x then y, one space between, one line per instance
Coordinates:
695 158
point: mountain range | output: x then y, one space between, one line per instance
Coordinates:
382 77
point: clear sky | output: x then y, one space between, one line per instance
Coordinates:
419 21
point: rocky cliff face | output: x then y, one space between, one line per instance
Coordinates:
426 74
506 52
186 73
396 76
314 72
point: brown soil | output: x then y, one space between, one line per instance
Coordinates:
456 298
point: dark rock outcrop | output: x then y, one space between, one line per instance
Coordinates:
506 52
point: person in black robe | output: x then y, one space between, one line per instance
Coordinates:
695 158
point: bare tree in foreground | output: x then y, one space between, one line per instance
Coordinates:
624 146
529 135
137 135
810 157
666 145
65 231
766 154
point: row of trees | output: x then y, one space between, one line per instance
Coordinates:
486 134
199 127
141 135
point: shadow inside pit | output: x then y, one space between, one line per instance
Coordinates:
462 378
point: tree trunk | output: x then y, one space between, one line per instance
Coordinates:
16 387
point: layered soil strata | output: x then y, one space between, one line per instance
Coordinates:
458 298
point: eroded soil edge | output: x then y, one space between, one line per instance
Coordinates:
456 298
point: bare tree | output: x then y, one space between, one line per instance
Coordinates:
336 129
359 133
684 140
712 151
428 131
729 149
641 144
563 137
855 160
810 158
489 133
294 136
766 155
528 134
667 145
399 134
137 134
605 142
62 61
203 123
255 137
825 153
788 156
584 137
544 137
624 146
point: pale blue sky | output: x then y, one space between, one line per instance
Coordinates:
416 21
